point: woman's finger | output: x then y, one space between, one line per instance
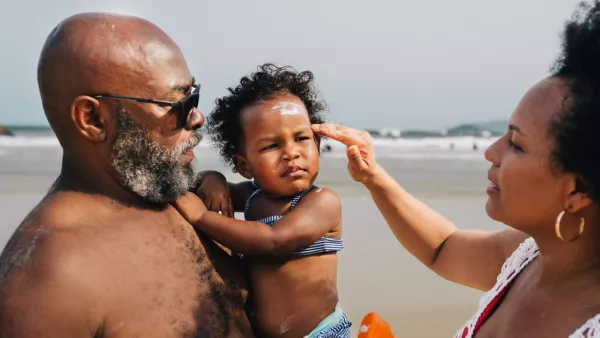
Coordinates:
345 135
356 159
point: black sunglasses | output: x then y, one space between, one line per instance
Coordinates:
185 105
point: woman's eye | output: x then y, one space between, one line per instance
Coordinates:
513 145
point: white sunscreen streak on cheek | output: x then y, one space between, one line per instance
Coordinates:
288 108
285 325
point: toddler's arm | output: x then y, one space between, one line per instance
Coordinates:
316 214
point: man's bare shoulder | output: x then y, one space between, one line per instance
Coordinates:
49 281
52 243
48 254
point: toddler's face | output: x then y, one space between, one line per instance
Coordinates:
280 149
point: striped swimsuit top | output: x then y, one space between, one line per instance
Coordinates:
321 246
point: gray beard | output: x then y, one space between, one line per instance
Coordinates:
148 169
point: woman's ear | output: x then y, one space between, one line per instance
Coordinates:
578 201
578 198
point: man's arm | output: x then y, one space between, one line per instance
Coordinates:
44 296
316 214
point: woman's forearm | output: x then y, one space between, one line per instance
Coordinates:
420 229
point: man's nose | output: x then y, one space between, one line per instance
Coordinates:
195 120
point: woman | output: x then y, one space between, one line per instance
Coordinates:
543 272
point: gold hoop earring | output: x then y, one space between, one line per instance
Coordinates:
557 228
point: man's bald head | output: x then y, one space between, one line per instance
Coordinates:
100 53
139 145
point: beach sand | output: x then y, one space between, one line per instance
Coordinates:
375 272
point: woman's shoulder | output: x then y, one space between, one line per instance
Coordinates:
516 262
524 254
588 330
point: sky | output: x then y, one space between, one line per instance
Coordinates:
379 63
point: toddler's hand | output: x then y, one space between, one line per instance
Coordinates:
215 194
190 207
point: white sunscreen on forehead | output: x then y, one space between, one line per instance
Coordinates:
288 108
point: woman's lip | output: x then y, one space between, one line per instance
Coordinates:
492 188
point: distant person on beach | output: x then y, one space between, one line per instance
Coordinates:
105 254
292 229
542 275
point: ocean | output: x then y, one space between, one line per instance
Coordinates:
375 272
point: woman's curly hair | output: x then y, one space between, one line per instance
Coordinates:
576 130
224 123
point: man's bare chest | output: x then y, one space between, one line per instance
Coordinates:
175 286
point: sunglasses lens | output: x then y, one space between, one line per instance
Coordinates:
187 104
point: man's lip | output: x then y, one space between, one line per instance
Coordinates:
188 153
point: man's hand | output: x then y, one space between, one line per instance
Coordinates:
361 159
214 192
190 207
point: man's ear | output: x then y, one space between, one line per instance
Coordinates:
241 166
89 120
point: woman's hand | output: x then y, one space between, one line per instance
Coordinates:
468 257
214 192
361 160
